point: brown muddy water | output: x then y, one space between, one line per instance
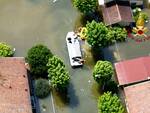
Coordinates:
24 23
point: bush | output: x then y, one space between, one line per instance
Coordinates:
85 6
103 71
58 76
137 12
96 34
120 34
5 50
42 88
37 58
99 35
108 103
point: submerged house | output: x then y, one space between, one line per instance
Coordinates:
133 71
116 11
14 86
134 77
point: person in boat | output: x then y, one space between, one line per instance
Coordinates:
77 32
78 59
69 39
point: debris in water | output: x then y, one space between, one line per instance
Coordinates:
82 90
89 81
54 1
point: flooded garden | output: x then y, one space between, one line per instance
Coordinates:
25 23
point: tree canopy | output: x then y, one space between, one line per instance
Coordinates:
103 71
120 34
37 58
58 76
5 50
85 6
99 35
109 103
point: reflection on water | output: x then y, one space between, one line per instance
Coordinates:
147 3
83 19
96 90
24 23
88 56
68 98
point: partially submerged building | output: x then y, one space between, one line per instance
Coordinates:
133 71
138 97
14 87
116 11
134 76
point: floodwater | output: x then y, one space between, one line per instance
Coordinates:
24 23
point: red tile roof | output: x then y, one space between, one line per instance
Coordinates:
131 71
116 14
14 89
138 98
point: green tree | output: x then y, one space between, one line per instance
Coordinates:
86 6
42 88
109 103
5 50
96 34
120 34
103 71
99 35
37 58
58 76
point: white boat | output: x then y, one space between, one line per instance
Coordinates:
74 49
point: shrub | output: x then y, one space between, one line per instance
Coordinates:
37 58
108 103
42 88
85 6
5 50
103 71
120 34
99 35
137 12
58 76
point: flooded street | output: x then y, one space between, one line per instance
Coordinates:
24 23
28 22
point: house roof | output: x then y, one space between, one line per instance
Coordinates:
138 97
14 89
132 71
116 13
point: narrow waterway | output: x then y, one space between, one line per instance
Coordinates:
24 23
